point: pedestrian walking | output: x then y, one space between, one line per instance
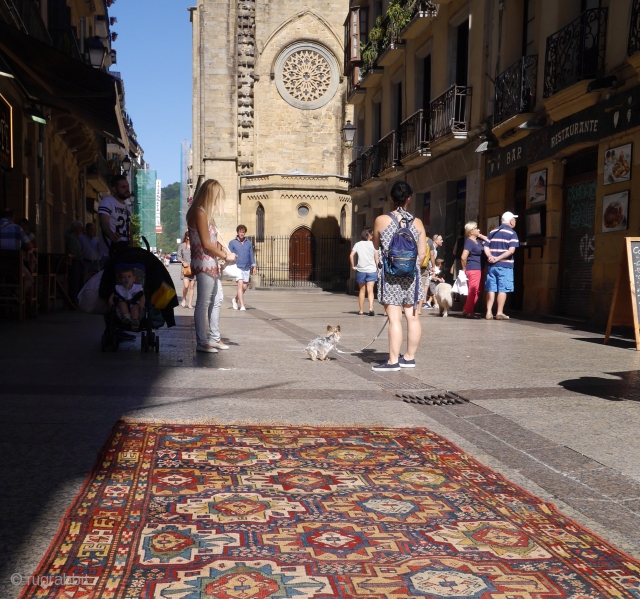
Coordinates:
205 251
186 274
499 249
115 218
398 293
433 245
471 260
246 264
366 269
90 246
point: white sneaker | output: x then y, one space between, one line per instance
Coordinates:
207 349
234 303
242 309
218 345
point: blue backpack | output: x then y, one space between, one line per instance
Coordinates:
400 259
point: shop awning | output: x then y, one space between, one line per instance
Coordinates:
60 81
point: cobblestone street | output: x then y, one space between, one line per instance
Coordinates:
545 404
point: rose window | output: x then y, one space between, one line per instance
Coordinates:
307 75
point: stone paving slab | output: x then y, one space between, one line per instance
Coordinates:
537 413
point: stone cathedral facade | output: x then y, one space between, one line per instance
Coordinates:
268 112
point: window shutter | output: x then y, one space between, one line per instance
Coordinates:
355 34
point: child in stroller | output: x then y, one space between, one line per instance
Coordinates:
131 309
128 298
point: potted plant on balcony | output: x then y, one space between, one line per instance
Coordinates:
370 51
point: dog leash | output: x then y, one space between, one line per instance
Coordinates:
386 322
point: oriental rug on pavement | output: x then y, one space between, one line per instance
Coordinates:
250 512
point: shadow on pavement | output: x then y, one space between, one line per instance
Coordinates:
613 342
627 387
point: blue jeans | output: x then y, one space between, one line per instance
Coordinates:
208 304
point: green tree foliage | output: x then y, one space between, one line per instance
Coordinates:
136 229
170 218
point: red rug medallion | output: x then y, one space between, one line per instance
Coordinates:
232 512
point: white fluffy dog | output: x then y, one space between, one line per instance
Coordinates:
444 297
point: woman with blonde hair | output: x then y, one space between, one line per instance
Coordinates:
205 251
471 260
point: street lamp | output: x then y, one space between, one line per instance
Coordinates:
126 165
97 53
348 134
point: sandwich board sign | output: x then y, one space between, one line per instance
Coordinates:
625 307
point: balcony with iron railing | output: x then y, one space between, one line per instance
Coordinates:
516 89
388 154
576 52
355 173
26 16
414 137
450 114
66 41
370 165
100 173
413 18
633 46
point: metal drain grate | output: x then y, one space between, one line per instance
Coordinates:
433 398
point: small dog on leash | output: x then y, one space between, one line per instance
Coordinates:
444 297
321 346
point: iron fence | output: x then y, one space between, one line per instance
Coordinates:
26 17
414 135
634 29
355 173
449 113
388 155
516 89
370 161
576 52
303 260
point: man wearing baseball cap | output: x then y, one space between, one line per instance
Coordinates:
499 249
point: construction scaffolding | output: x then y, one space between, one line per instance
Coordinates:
145 204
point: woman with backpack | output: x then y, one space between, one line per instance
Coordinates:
401 240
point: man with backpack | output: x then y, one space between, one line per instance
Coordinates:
401 240
499 249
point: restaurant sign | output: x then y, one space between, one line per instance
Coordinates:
6 134
611 117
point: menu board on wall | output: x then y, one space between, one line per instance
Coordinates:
625 306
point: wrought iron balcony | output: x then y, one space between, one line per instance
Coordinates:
25 15
516 89
576 52
370 161
388 152
634 30
449 113
355 173
414 135
402 14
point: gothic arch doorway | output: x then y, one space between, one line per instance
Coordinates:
301 255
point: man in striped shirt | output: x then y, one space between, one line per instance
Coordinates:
499 249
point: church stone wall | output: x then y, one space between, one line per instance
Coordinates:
242 124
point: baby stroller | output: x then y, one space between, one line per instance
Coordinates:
150 275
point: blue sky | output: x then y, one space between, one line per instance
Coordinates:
154 57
